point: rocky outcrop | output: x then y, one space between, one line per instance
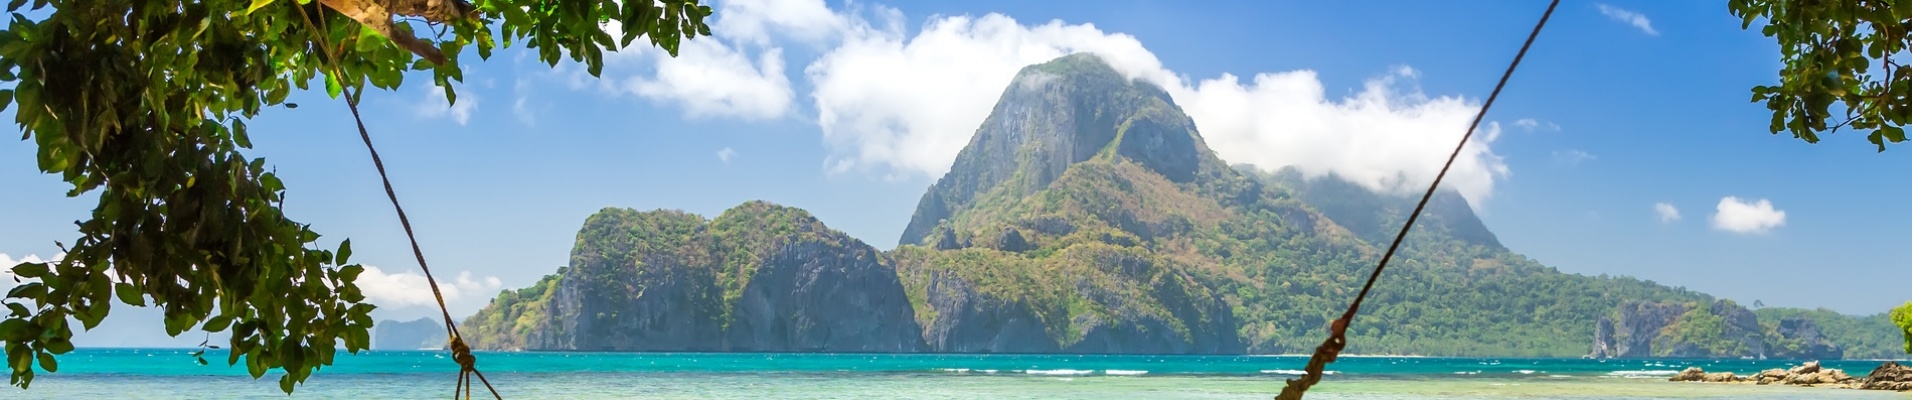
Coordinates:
1802 340
1805 374
1722 329
1054 115
422 333
1889 376
761 277
966 321
638 281
815 295
1633 328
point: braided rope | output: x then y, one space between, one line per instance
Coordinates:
1337 335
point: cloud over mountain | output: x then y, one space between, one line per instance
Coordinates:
902 102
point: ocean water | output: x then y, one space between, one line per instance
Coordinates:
172 374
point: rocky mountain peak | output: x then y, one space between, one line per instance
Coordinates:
1056 114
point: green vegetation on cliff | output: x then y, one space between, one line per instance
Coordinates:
1868 337
1088 215
670 280
511 317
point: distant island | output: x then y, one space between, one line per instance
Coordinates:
422 333
1087 215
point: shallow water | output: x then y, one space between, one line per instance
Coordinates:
171 374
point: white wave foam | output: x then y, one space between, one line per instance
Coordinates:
1295 372
1058 371
1124 372
1526 372
1643 373
1466 372
956 370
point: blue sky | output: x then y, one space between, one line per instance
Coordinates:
852 110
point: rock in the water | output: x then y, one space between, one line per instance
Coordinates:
1805 368
1838 375
1721 377
1691 374
1889 376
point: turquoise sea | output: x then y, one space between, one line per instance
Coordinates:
172 374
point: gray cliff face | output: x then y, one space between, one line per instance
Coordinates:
1810 344
962 319
1741 325
1603 340
654 281
970 322
1054 115
635 296
1638 323
1193 326
1720 330
816 296
422 333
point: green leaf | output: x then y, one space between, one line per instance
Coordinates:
6 99
47 363
129 294
14 330
350 273
332 86
30 290
30 270
1893 133
217 323
344 253
239 135
59 346
256 4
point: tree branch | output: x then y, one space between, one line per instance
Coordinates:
378 14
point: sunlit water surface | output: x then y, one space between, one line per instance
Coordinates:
172 374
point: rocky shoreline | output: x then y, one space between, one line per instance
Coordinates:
1888 376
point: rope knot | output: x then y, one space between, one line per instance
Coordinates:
461 354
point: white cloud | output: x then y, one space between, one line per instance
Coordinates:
908 104
1572 156
734 74
1638 20
751 21
436 105
1531 125
521 107
1667 212
411 289
1738 216
1388 137
725 155
711 79
903 103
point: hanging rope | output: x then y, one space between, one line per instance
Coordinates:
1337 336
460 352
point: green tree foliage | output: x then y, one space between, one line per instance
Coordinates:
1837 54
143 103
1903 317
